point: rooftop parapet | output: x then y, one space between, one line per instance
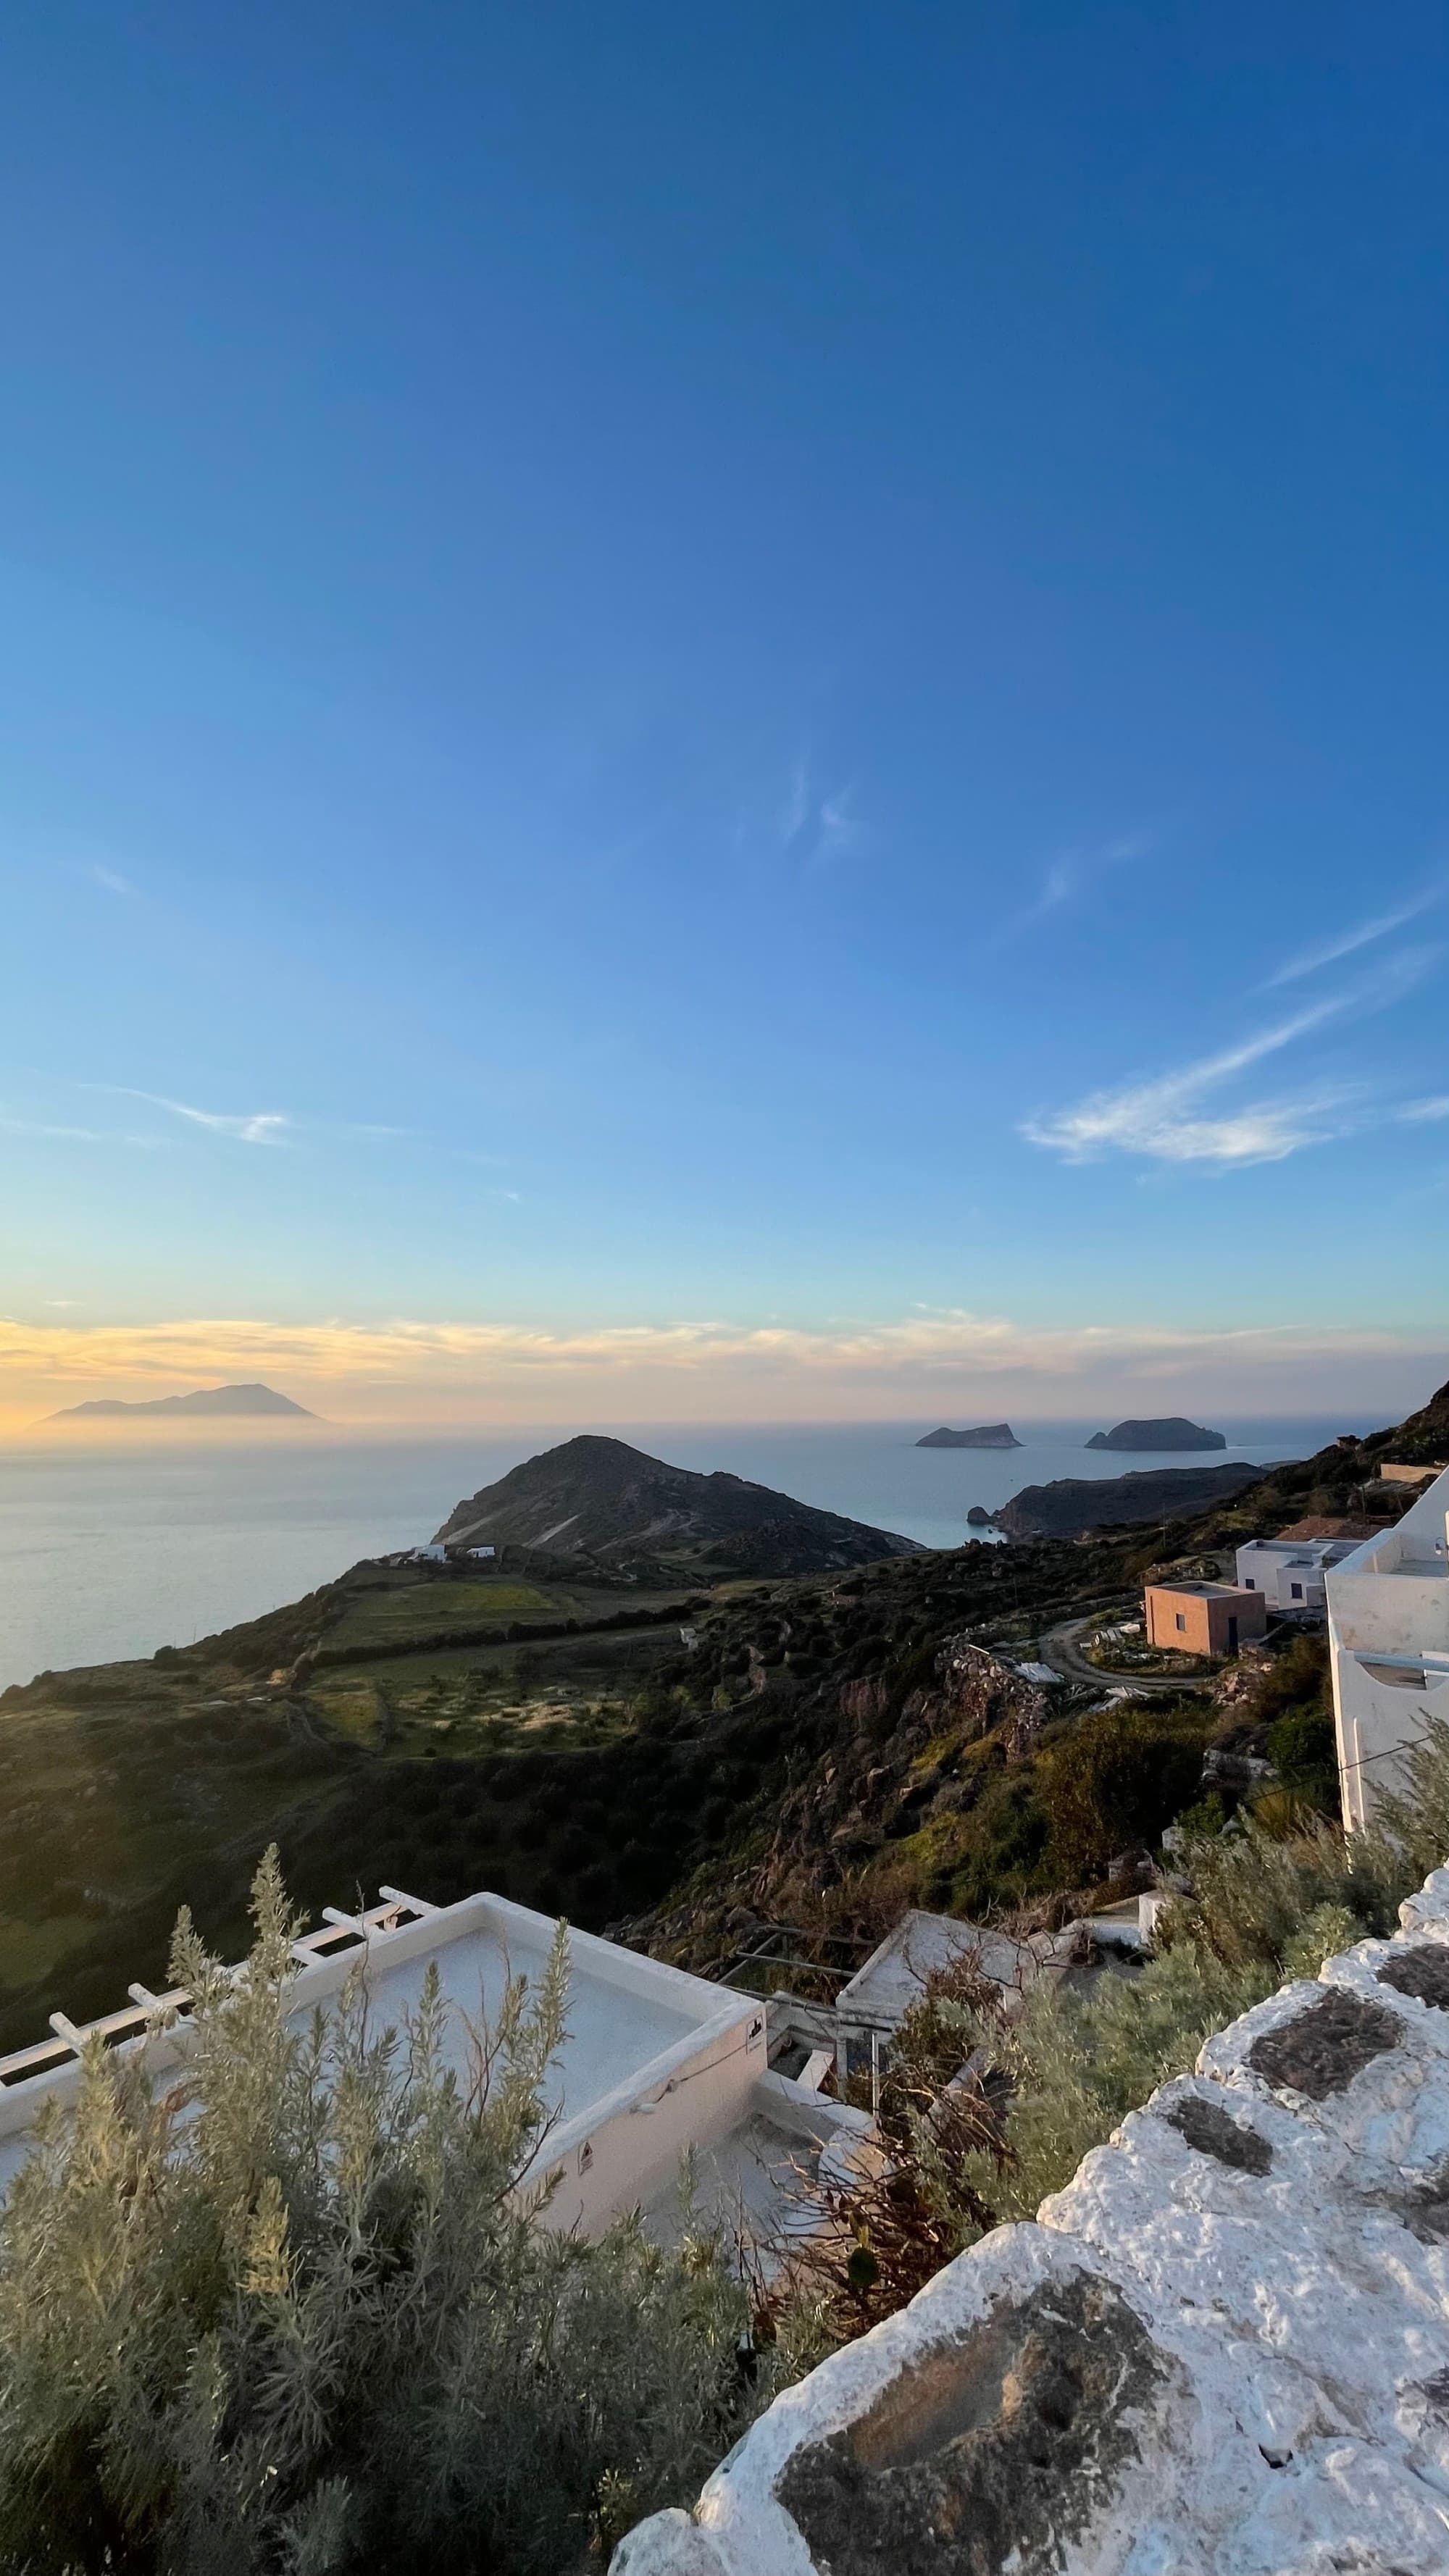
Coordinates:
654 2061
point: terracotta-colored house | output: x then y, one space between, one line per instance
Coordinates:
1203 1618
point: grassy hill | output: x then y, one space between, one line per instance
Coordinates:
621 1505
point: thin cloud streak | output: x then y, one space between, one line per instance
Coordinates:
252 1127
1066 878
816 824
1165 1121
56 1134
1349 942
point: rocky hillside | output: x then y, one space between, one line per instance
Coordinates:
615 1502
1075 1503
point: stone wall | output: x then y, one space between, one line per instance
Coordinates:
1224 2347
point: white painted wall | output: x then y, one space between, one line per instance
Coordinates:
1388 1636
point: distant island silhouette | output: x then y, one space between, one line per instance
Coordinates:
233 1402
1166 1431
987 1435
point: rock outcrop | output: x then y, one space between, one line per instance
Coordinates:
1224 2346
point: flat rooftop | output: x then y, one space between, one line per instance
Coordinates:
1204 1591
614 2030
882 1992
632 2022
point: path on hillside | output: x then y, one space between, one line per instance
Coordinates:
1059 1649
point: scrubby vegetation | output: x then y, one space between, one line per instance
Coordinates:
1056 2077
295 2311
1112 1783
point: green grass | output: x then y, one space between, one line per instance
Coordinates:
116 1815
408 1612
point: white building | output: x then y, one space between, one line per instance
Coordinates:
655 2062
882 1992
1388 1635
1290 1571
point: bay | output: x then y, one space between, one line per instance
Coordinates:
113 1548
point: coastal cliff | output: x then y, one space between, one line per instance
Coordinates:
1071 1504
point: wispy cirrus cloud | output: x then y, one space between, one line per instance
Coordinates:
1347 943
246 1127
1069 874
58 1133
1167 1122
263 1127
110 878
1423 1113
815 822
1174 1117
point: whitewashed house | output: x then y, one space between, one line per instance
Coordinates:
1290 1572
1388 1633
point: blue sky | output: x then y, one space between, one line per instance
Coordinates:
678 676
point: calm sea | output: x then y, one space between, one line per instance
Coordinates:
111 1550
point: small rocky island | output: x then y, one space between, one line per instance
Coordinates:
987 1435
1170 1431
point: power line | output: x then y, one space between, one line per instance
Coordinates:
1388 1751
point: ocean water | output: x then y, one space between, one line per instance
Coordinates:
113 1548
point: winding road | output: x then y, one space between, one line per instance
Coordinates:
1059 1649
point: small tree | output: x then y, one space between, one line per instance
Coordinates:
296 2314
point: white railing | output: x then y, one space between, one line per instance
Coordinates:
336 1932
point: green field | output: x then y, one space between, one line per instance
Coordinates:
381 1616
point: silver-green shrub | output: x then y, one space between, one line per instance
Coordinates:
1263 1909
293 2310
